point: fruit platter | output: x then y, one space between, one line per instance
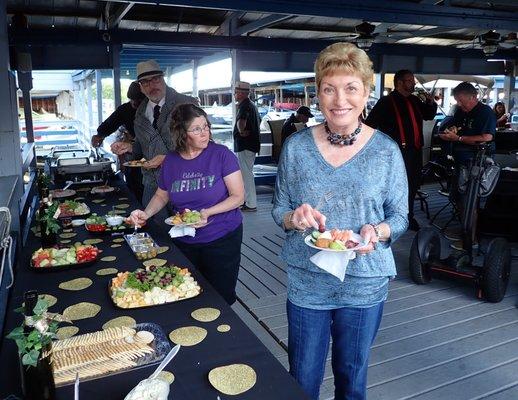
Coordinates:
185 218
62 193
107 224
152 285
61 258
71 209
335 240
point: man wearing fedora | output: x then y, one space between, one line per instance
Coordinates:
152 120
246 141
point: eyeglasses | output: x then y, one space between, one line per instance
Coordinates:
199 129
147 82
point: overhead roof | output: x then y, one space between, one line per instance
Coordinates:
187 25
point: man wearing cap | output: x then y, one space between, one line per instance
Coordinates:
152 120
246 141
302 117
122 120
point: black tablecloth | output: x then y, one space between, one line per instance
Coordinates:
191 365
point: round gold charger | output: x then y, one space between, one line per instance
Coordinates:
158 262
162 249
166 376
120 321
206 314
92 241
66 332
76 284
223 328
107 271
188 335
233 379
81 310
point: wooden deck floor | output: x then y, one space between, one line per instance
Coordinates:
435 342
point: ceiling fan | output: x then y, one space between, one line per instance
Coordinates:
363 37
490 41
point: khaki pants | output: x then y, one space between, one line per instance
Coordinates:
246 160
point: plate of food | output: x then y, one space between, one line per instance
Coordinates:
63 258
153 285
102 189
135 163
184 218
107 224
113 350
70 209
62 193
335 240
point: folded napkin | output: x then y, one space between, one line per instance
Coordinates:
333 262
179 231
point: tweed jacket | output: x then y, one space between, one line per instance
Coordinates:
150 142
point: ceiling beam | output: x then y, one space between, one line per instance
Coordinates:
394 11
119 14
57 37
259 24
230 23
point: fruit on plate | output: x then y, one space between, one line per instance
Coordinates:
153 285
186 216
54 257
70 208
335 239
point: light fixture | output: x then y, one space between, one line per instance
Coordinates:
364 43
489 48
366 35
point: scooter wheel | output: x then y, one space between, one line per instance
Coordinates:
497 270
425 247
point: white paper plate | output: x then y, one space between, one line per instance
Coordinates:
355 237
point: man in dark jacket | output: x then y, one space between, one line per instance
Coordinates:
122 120
302 116
400 115
246 141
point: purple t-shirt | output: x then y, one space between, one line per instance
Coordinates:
197 184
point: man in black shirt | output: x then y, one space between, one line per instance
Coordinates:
246 141
400 115
122 120
473 123
124 115
302 116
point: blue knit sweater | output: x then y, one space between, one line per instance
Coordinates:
369 188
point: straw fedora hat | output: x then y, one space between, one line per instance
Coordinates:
147 69
240 85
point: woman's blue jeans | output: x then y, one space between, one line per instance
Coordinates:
353 330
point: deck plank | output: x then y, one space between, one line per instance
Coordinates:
436 341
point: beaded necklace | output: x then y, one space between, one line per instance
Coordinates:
343 140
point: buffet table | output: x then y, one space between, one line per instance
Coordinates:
190 366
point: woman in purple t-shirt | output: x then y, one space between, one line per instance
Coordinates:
205 176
